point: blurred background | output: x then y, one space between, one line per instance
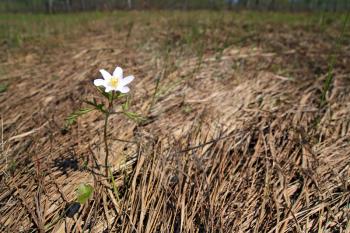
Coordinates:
51 6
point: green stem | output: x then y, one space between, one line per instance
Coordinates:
106 143
105 136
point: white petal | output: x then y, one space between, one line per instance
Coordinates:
108 89
105 74
124 90
118 72
127 80
99 82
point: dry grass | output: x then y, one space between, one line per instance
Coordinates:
237 139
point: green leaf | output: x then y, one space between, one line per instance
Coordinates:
134 116
115 188
84 192
125 106
96 105
72 118
119 95
3 88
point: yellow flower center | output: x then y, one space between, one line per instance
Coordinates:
113 82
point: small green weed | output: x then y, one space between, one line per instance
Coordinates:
3 87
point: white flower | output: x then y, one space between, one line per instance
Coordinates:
114 82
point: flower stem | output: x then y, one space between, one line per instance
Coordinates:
106 143
105 135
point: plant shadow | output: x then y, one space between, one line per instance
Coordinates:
66 164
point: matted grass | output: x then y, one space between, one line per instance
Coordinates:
237 139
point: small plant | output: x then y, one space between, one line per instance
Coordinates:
112 87
84 192
3 87
332 61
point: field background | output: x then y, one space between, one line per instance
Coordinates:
247 130
51 6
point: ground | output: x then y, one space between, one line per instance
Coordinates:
247 122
